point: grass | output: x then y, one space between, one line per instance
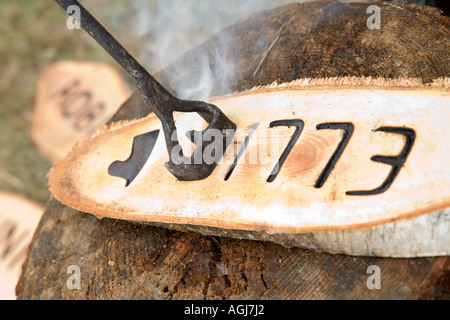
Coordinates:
33 35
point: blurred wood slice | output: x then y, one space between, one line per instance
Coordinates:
72 99
310 156
19 218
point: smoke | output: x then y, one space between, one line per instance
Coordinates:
165 29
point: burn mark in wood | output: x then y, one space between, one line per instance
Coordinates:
396 162
142 148
299 124
348 132
69 105
12 243
77 104
241 151
88 116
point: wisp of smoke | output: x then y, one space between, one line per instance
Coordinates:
172 27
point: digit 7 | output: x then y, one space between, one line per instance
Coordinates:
348 132
299 124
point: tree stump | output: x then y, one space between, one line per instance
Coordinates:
124 260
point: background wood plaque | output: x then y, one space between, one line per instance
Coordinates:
19 218
73 98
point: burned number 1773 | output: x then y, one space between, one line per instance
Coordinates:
143 146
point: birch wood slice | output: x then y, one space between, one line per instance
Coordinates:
303 161
120 259
19 218
73 98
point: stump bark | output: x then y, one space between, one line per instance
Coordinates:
124 260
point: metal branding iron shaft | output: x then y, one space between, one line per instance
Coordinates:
162 103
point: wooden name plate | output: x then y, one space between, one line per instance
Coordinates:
19 218
327 164
73 98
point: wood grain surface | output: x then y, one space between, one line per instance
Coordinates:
245 194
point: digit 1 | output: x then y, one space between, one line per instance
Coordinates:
348 132
299 124
396 162
241 150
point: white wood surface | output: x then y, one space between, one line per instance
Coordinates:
290 204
